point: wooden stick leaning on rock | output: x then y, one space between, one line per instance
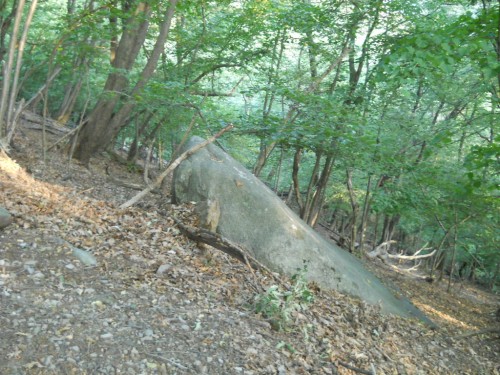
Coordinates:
172 166
225 245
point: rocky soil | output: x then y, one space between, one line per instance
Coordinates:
155 303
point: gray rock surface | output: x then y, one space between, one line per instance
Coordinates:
5 218
254 217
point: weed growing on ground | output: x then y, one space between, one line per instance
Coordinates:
278 306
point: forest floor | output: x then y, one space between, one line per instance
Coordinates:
157 304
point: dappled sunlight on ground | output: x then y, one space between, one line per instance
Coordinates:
431 311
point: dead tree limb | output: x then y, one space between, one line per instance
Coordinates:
381 252
221 243
411 257
355 369
172 166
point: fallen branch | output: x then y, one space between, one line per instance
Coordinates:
34 121
381 252
172 166
221 243
411 257
355 369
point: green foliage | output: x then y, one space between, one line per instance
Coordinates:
278 306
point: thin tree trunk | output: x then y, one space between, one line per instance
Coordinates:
17 71
5 24
453 254
7 69
319 195
364 216
295 177
312 187
139 131
495 276
355 210
293 111
71 94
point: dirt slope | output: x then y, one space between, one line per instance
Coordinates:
59 316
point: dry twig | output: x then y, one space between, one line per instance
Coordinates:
172 166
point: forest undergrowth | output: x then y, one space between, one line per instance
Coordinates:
156 303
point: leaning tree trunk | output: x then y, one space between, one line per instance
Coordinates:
93 136
100 131
319 195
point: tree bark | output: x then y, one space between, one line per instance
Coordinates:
319 194
95 135
355 210
7 68
366 210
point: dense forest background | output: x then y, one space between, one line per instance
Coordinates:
376 119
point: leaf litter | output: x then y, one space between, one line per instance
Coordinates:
155 303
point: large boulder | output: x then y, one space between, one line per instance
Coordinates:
251 215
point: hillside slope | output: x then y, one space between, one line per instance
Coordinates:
157 304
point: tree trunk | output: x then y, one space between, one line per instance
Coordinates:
390 223
7 69
311 188
355 210
366 209
295 177
71 94
104 122
319 194
277 55
453 254
139 131
494 278
264 152
96 134
5 24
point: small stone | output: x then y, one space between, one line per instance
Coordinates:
252 351
84 256
70 266
5 218
107 336
134 353
163 269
